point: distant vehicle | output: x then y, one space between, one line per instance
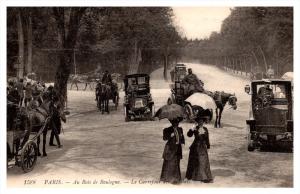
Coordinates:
270 120
178 73
138 102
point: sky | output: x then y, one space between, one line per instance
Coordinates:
199 22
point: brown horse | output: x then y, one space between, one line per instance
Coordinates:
221 98
103 92
40 120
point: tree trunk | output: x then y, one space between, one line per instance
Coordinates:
165 67
68 42
166 61
263 55
29 45
256 60
21 47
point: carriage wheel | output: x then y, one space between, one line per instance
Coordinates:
188 111
29 156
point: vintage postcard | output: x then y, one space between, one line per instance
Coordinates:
149 96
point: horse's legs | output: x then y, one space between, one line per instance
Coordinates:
107 108
217 117
38 140
76 86
102 105
220 115
71 86
44 142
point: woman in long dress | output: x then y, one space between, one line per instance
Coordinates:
172 153
198 168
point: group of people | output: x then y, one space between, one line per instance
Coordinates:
198 168
30 96
26 92
259 74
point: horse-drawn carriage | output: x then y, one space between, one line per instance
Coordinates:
183 94
138 103
271 114
180 96
105 93
20 146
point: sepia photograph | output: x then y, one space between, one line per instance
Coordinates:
149 96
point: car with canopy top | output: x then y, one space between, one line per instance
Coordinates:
270 120
138 102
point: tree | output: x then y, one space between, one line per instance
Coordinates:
68 22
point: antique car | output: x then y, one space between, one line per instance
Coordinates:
138 102
178 73
270 120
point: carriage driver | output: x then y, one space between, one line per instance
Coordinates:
194 84
106 79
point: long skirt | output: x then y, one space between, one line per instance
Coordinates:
171 171
198 168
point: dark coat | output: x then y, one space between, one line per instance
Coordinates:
199 139
172 149
106 79
198 168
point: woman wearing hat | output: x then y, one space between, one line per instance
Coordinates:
172 152
198 168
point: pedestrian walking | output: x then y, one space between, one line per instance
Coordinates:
198 168
172 152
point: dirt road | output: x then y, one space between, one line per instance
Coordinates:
106 149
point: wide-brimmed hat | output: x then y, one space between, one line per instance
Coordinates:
176 120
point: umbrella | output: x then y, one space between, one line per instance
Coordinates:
170 112
203 100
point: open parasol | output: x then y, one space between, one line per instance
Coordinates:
201 99
170 112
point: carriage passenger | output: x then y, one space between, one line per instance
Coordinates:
20 88
266 90
106 79
28 93
194 84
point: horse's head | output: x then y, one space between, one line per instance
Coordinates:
232 101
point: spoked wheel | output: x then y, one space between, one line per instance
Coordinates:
29 156
189 112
